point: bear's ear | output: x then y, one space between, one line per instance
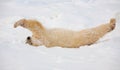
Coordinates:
20 23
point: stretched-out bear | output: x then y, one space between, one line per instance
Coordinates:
63 37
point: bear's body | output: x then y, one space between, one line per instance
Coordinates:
62 37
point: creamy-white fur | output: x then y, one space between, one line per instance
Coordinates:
63 37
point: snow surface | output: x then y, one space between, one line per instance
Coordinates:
69 14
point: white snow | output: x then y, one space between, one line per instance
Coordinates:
69 14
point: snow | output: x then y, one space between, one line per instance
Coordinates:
69 14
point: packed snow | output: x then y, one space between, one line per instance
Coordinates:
68 14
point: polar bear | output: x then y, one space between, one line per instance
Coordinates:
62 37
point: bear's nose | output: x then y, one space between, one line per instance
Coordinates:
28 38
